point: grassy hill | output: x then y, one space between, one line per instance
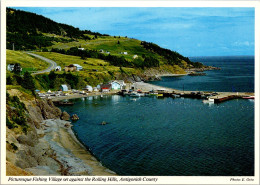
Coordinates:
102 59
28 62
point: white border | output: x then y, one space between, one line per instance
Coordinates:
135 3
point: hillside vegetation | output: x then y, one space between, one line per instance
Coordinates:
103 57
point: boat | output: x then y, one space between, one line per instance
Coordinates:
159 95
248 97
133 94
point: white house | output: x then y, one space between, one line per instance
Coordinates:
64 87
89 88
58 68
125 53
78 67
135 56
10 67
117 84
81 49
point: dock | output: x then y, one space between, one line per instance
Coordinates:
216 97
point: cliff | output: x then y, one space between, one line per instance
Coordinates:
28 150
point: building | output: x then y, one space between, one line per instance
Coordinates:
89 88
70 68
58 68
64 87
14 67
78 67
125 53
135 56
10 67
117 85
82 49
105 87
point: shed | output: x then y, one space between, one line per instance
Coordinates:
64 87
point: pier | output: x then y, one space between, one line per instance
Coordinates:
216 97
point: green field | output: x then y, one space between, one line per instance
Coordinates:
110 44
89 65
27 62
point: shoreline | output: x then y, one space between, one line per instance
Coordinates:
144 86
79 160
72 156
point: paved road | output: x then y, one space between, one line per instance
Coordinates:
52 65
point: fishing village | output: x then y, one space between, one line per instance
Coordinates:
84 103
141 89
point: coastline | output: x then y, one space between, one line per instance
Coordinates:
71 155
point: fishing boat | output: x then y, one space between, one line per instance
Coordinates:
133 94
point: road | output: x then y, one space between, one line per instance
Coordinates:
52 65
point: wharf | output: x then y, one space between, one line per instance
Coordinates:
216 97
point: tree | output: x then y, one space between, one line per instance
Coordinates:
28 82
118 42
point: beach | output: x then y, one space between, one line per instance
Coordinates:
72 156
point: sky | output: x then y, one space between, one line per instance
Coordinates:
189 31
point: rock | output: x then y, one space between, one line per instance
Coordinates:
48 109
103 123
67 125
30 139
74 117
65 116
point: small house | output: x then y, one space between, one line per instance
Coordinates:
101 51
115 85
105 87
95 89
135 56
70 68
78 67
58 68
10 67
64 87
82 49
89 88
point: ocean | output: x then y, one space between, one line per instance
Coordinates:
172 137
236 75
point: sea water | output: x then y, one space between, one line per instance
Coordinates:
173 137
236 75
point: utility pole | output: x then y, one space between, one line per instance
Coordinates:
13 46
